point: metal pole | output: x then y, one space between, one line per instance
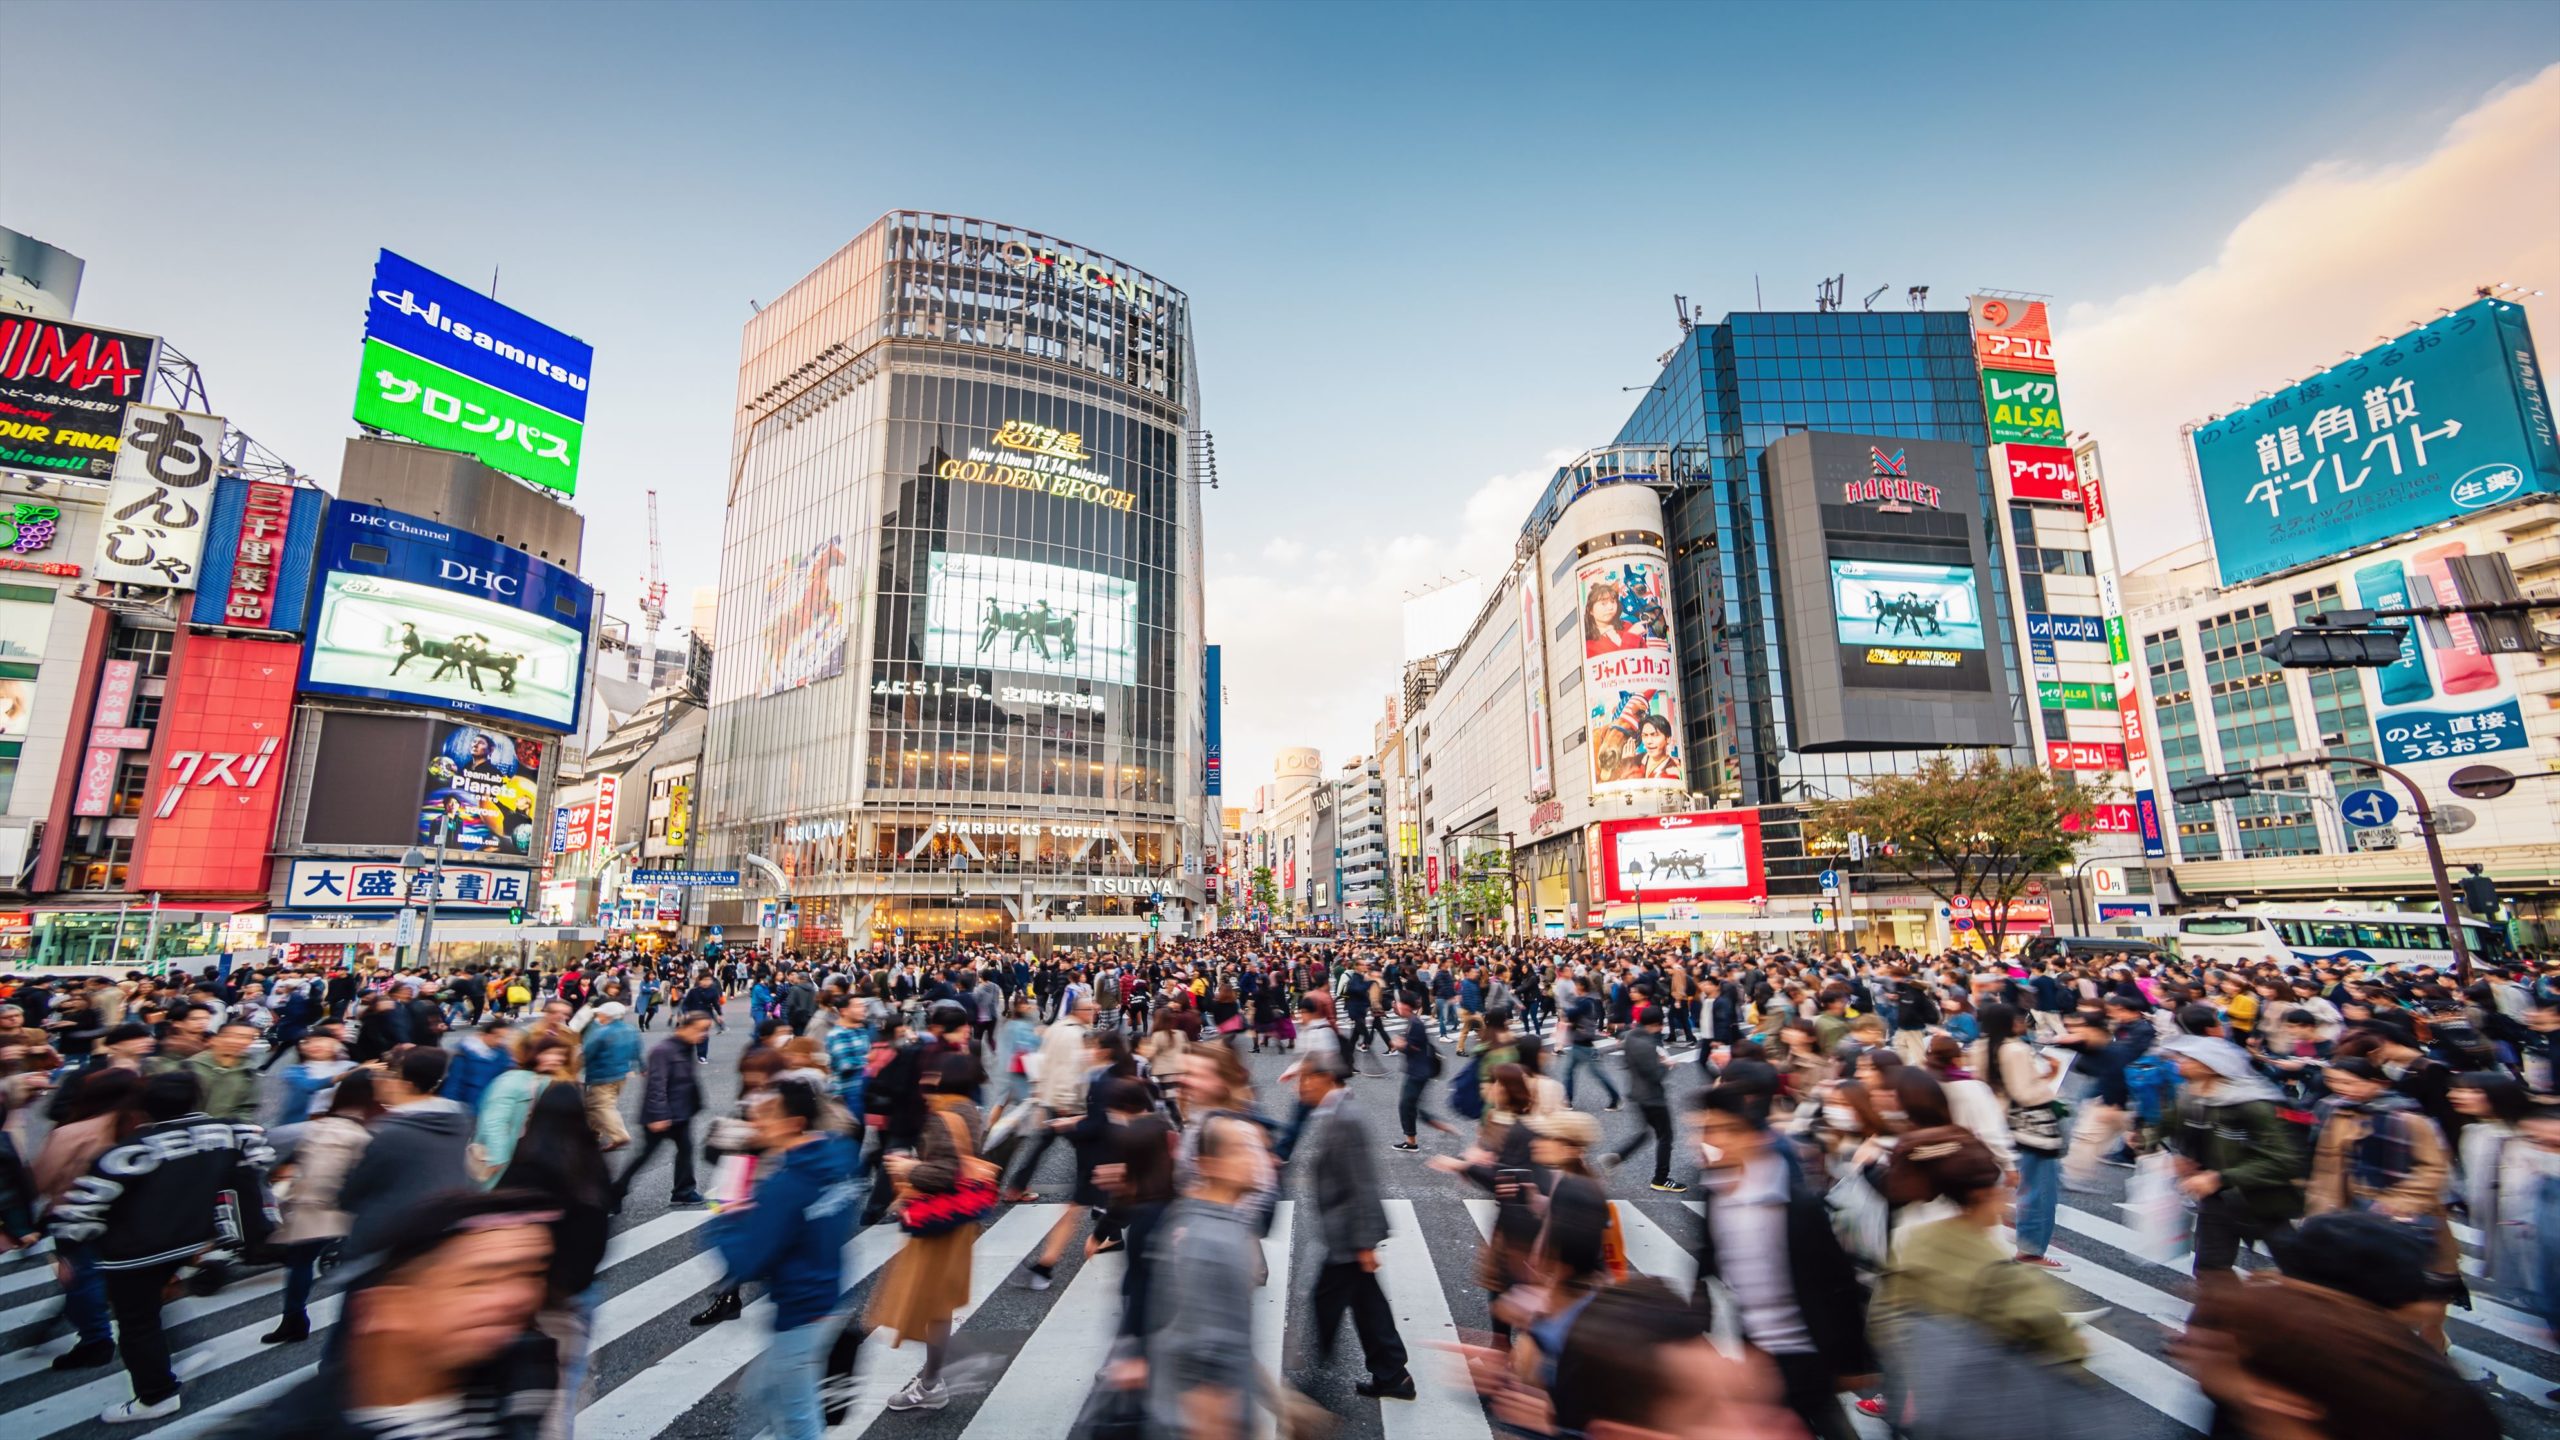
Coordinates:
116 955
435 888
151 933
2426 831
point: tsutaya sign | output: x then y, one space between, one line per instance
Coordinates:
1890 482
1040 459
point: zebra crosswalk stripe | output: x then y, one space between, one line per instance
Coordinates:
1445 1406
1053 1374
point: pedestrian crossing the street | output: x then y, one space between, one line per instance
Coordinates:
1031 1359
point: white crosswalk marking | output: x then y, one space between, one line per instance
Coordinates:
1054 1371
1271 1306
1446 1407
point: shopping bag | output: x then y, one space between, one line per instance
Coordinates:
2164 1230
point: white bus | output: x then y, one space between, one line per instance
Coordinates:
2273 934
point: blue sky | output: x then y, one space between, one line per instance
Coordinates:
1425 244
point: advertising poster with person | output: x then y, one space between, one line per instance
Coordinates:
1628 676
480 789
806 618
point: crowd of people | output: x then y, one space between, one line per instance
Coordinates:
1878 1144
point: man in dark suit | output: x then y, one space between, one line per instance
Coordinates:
667 1107
1342 1180
1767 1235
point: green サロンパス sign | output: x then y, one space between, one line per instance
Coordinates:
398 392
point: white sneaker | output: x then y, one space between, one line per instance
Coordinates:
919 1396
132 1411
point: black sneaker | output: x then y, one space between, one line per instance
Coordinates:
1399 1388
1670 1187
87 1355
686 1197
1404 1145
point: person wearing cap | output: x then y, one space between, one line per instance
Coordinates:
2237 1159
611 1052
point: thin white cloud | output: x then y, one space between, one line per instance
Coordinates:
2345 254
1313 642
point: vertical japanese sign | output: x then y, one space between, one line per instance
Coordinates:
160 497
1213 705
1533 686
2450 418
109 738
608 790
64 390
1629 679
220 777
679 831
2123 662
267 510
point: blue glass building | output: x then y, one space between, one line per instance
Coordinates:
1725 394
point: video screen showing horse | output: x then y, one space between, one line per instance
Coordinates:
395 640
1883 602
985 613
1698 857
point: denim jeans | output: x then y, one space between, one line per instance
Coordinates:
301 1268
780 1390
2039 1193
1448 1015
84 1299
1575 1058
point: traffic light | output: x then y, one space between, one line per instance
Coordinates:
1817 915
2210 789
2479 893
2338 639
515 914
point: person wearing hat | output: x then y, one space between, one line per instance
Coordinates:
2237 1159
611 1052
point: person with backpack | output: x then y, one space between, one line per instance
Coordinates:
1421 1067
2238 1161
2378 1154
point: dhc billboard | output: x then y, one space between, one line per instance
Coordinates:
412 611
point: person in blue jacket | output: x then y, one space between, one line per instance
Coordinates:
478 1060
790 1236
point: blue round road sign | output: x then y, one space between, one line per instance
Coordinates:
2368 809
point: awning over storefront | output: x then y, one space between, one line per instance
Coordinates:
447 933
1089 925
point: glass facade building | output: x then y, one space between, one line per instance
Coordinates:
1727 392
957 687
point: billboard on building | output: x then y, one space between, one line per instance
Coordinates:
2446 697
2011 334
1883 602
217 771
2022 407
1533 686
2049 474
64 390
804 619
2450 418
678 831
366 772
1630 682
480 791
258 545
1213 701
449 367
416 612
1026 616
1704 855
159 498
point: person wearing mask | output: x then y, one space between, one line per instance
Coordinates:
1646 1078
668 1105
439 1338
607 1054
790 1238
1342 1181
2237 1159
325 1152
420 1147
1768 1236
479 1060
151 1204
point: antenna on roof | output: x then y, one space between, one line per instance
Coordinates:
1826 295
1870 302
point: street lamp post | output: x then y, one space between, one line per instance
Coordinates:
2080 897
410 861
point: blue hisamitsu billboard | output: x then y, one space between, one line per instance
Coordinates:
412 611
452 325
2449 418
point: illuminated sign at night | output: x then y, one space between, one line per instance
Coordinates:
1931 659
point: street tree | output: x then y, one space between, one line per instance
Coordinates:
1975 835
1265 889
1484 887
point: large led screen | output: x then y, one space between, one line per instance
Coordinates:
413 611
480 791
986 613
1703 855
1880 602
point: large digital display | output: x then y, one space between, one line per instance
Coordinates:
1895 604
1704 855
2449 418
982 612
1631 686
417 612
480 791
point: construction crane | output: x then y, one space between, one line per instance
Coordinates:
653 595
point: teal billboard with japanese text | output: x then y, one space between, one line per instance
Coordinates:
2450 418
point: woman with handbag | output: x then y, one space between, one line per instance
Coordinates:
2026 1084
943 1191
